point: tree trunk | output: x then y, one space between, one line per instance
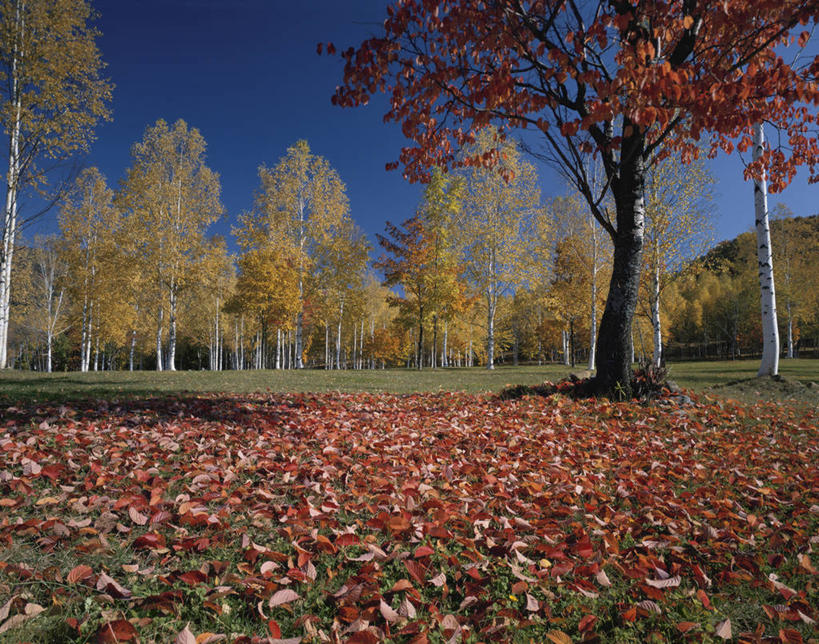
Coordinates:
490 330
790 329
444 359
614 347
172 329
419 354
338 335
159 340
770 329
10 213
433 354
655 308
326 346
131 351
593 320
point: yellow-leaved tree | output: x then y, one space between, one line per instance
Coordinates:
171 197
89 224
51 97
499 207
300 200
677 198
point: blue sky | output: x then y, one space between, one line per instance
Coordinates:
246 74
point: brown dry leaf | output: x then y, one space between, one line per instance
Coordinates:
671 582
185 636
558 637
388 613
723 630
78 573
136 516
406 609
284 596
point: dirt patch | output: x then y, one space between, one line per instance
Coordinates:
776 388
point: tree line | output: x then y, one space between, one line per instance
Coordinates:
485 270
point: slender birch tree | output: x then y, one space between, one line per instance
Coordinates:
50 273
500 204
171 197
677 230
87 221
304 197
51 97
770 328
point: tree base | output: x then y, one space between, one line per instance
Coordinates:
648 383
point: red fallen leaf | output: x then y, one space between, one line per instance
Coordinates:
398 523
586 623
185 636
78 573
519 587
119 630
347 539
416 570
421 638
401 584
790 636
363 637
284 596
193 577
629 614
423 551
684 627
149 541
704 599
274 628
74 623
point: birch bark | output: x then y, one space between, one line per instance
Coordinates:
770 329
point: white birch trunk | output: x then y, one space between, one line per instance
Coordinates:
132 350
172 328
160 315
445 359
338 335
87 348
355 346
770 329
593 321
790 330
655 307
12 187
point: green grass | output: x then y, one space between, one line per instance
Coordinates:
35 386
29 386
699 375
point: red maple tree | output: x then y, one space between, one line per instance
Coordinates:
624 80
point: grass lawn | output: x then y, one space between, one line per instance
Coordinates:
20 386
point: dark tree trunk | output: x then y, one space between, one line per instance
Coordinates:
614 338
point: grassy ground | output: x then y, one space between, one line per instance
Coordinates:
20 386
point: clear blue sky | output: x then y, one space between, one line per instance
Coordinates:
246 74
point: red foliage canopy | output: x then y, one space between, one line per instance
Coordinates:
671 70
